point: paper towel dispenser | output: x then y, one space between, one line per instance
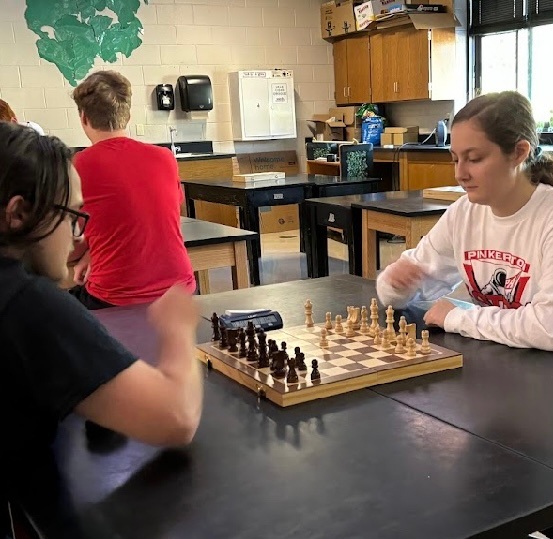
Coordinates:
195 92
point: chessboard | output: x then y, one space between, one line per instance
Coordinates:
344 364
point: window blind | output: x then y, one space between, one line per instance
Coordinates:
489 16
540 11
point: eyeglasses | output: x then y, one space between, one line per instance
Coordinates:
78 219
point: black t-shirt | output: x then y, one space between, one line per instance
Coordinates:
53 354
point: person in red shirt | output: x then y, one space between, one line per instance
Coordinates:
134 250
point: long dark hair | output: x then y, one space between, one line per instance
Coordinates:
506 118
36 168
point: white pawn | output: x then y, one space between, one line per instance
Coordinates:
328 323
425 346
349 331
411 347
378 337
323 343
399 349
309 314
386 345
338 328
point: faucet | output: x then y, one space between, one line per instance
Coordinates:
174 149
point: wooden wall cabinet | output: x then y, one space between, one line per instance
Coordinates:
352 70
409 64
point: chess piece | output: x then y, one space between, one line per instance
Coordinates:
403 329
349 329
348 309
328 323
242 339
215 327
252 345
338 328
292 376
309 314
262 350
223 343
323 343
399 349
378 337
390 323
411 347
425 346
364 328
232 336
356 318
271 354
315 374
374 318
385 345
300 359
279 364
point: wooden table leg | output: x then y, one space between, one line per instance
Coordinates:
368 249
202 279
240 277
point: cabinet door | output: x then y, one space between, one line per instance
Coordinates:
413 61
340 72
359 69
382 67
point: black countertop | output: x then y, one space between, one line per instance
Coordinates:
197 233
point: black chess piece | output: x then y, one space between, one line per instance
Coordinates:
315 374
292 376
223 343
262 350
300 359
279 364
273 349
252 344
242 339
215 326
232 337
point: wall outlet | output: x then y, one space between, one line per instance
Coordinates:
139 130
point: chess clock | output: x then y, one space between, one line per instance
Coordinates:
262 319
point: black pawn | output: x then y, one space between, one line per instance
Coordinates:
315 374
292 376
300 359
232 336
242 339
279 364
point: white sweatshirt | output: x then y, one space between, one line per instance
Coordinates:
505 262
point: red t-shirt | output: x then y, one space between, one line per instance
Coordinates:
133 194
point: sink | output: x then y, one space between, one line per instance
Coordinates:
192 154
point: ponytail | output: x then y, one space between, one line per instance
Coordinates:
541 168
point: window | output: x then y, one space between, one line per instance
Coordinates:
511 51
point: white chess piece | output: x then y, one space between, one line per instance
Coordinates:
425 346
411 347
374 318
390 323
349 331
323 343
364 317
338 327
309 314
328 323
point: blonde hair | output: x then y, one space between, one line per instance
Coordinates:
6 112
105 99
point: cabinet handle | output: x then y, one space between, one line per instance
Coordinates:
345 95
349 91
397 87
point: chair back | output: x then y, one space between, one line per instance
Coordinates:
356 160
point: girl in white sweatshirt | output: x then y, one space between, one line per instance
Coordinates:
498 238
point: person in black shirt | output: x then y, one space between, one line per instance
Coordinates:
56 357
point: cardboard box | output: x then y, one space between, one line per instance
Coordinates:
334 125
353 133
367 12
337 18
401 135
285 161
279 218
386 139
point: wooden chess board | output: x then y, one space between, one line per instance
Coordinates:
347 364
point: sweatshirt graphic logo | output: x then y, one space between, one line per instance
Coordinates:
496 278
